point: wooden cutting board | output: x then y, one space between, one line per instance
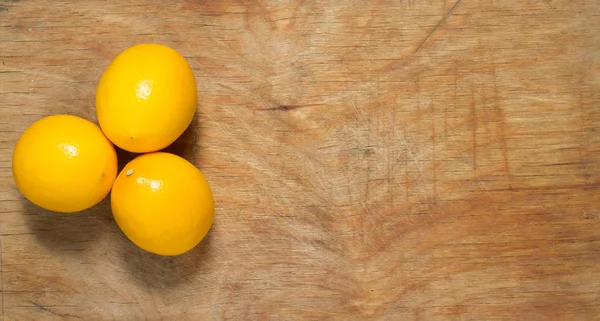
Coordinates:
389 160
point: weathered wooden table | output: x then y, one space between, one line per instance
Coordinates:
393 160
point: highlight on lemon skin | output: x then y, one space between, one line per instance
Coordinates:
163 203
146 98
64 163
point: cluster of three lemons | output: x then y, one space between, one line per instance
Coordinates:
145 100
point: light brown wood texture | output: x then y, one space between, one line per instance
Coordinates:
385 160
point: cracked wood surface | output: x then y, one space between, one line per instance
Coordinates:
387 160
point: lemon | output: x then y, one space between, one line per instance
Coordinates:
162 203
146 98
64 163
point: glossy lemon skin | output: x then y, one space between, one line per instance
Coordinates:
146 98
64 163
163 203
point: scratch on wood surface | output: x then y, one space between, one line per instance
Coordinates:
64 315
474 130
390 166
446 16
405 168
289 107
433 151
409 153
153 298
502 120
368 213
484 187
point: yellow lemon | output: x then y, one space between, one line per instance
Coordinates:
64 163
146 98
162 203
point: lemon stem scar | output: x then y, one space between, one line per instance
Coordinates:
129 172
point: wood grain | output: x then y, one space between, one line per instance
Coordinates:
388 160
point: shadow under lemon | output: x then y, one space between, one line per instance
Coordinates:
187 144
76 232
69 233
156 271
